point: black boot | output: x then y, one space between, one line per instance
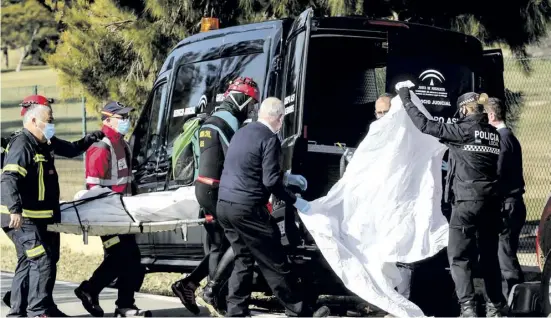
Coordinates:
132 311
468 309
210 291
7 298
499 310
90 302
185 290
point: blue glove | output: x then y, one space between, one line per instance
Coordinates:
296 180
302 205
444 165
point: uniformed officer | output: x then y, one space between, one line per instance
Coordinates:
214 137
29 202
472 179
511 184
251 173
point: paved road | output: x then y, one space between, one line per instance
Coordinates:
161 306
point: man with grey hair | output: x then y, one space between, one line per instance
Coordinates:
511 185
251 174
29 202
382 105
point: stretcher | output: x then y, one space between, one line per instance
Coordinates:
100 212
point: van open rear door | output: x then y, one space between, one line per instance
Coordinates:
491 74
441 64
296 54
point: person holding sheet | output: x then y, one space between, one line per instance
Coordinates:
472 187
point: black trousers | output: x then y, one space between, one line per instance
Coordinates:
35 274
218 244
514 215
122 261
474 234
254 236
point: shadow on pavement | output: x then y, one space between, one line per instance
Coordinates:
172 312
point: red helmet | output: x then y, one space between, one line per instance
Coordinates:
244 85
33 100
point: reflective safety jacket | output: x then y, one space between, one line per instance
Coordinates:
108 163
29 183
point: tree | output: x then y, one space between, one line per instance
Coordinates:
25 22
112 49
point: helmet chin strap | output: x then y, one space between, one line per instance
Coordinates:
242 105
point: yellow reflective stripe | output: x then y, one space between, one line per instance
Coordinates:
38 214
4 209
35 251
110 242
41 188
16 168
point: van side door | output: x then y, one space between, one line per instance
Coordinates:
491 74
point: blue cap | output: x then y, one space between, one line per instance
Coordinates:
115 108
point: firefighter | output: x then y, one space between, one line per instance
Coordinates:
29 202
214 137
108 164
61 148
472 184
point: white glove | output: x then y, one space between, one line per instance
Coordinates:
296 180
302 205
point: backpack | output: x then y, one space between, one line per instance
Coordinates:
185 152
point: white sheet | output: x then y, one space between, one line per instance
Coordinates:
110 213
385 209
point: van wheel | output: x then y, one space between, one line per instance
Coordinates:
546 287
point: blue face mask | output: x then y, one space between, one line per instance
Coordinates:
123 126
49 131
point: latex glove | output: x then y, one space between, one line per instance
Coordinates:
296 180
444 165
404 94
15 221
302 205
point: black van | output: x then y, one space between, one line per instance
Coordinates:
328 72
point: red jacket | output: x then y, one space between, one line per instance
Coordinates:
108 163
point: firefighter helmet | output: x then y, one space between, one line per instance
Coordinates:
244 85
33 100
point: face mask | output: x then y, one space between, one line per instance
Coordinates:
49 130
123 126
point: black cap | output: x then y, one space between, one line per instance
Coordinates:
115 108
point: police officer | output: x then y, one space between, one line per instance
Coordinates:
29 202
511 183
472 178
251 173
214 137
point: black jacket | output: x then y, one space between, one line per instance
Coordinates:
509 167
29 183
251 170
473 155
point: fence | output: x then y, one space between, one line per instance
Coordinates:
529 97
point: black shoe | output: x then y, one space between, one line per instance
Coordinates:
323 311
185 290
89 302
468 309
132 312
499 310
7 298
57 313
209 291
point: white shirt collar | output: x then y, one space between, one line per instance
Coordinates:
501 126
265 123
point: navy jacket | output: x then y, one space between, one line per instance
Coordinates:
251 169
509 166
